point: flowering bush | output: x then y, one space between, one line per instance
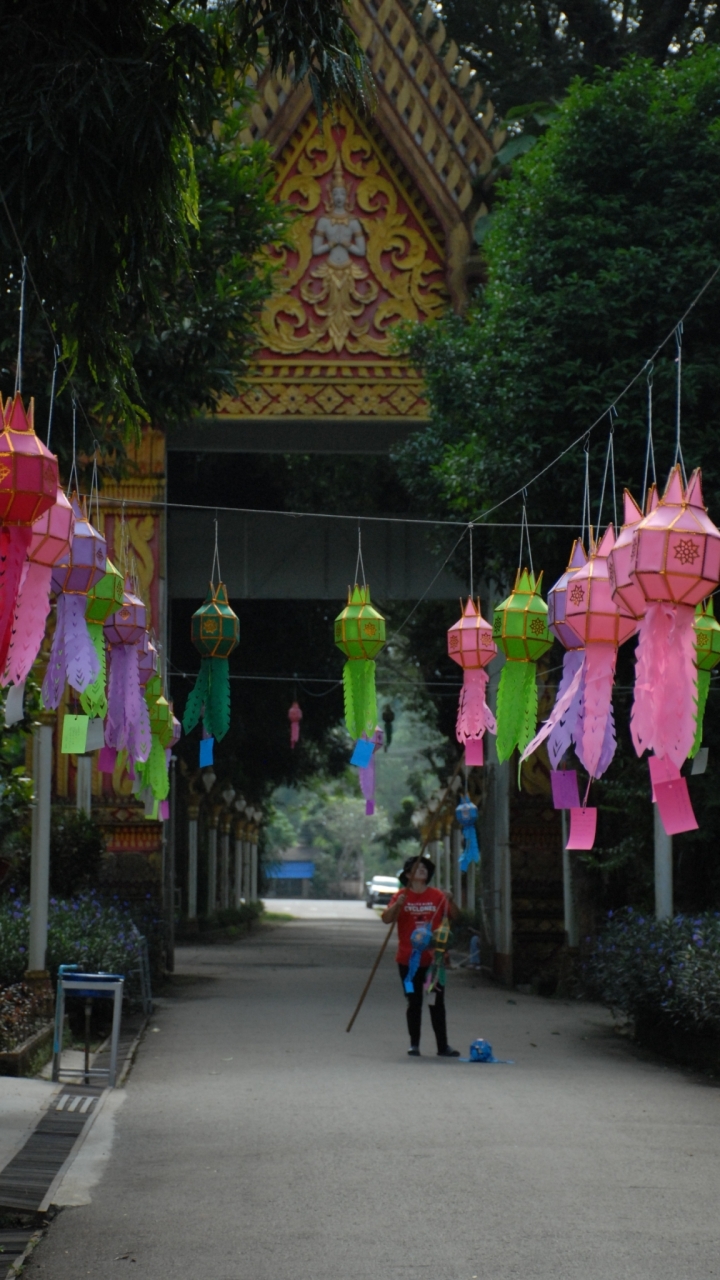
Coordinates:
659 970
84 930
19 1015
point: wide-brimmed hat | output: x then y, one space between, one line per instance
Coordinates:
410 863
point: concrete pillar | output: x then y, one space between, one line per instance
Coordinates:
83 785
225 863
193 812
238 863
663 869
254 869
572 933
40 846
457 874
212 863
502 876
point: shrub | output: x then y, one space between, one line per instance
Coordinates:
83 930
20 1015
659 971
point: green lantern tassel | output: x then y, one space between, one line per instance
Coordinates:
360 697
153 773
197 698
217 704
517 705
703 689
94 699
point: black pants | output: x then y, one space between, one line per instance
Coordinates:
414 1008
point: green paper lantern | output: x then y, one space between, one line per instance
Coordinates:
215 631
360 634
707 656
520 630
103 600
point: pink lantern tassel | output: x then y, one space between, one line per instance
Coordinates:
663 714
14 544
474 715
31 611
595 751
558 726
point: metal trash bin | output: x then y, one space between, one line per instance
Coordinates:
88 986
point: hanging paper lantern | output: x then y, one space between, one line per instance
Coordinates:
627 593
470 644
28 488
49 546
521 631
561 725
295 715
128 723
147 659
215 631
153 773
72 656
360 634
388 716
467 815
707 656
676 553
104 599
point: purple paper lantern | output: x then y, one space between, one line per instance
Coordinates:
147 659
129 623
88 557
557 600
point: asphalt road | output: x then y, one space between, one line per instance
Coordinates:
258 1141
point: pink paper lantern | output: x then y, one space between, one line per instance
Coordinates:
52 534
28 470
625 589
295 715
591 612
676 548
88 557
129 623
470 644
557 599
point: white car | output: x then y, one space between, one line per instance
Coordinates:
380 890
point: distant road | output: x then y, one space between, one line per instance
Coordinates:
320 909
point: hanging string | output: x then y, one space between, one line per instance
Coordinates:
56 356
216 556
73 468
95 485
609 465
586 514
650 449
678 451
525 534
359 562
470 536
21 327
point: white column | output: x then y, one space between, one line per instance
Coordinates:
457 874
253 871
40 846
83 785
663 869
212 868
192 861
238 866
572 932
225 865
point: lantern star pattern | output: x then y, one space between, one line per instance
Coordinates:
72 655
28 488
470 643
360 634
520 629
49 546
707 656
676 564
127 727
215 631
103 600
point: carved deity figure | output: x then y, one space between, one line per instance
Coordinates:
337 297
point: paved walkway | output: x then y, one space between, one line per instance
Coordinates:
258 1141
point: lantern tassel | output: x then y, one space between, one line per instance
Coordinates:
93 699
13 551
31 611
598 675
663 718
360 697
559 725
196 699
703 689
153 773
83 665
474 715
216 718
517 708
128 722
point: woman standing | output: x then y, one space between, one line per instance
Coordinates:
417 903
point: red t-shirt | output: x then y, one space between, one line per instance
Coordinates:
427 907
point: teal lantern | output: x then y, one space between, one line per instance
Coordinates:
215 631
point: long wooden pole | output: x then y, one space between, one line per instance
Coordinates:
411 873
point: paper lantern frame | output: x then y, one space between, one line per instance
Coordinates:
28 470
359 629
520 623
557 600
676 548
215 628
470 640
591 611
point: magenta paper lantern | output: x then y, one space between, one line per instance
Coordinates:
87 560
590 610
626 591
28 470
676 548
470 644
129 624
557 599
52 534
